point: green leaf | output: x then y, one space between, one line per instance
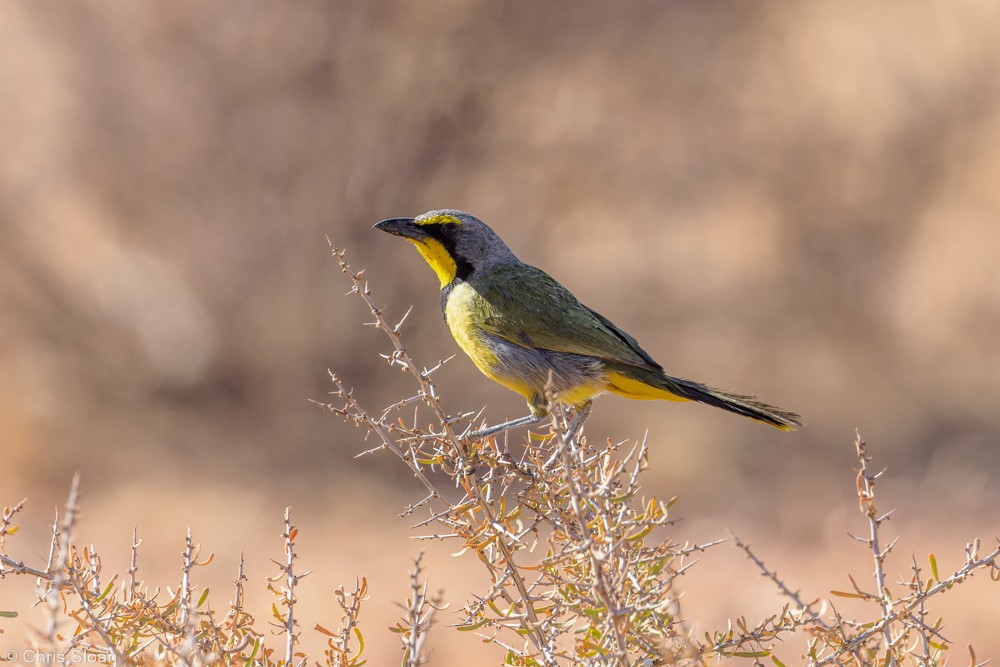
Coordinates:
646 530
474 626
845 594
8 614
106 591
256 645
934 569
657 567
775 660
750 654
361 644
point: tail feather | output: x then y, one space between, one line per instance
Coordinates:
748 406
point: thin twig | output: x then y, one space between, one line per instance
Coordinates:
133 567
782 586
419 616
291 579
866 502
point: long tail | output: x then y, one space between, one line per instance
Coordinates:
748 406
647 385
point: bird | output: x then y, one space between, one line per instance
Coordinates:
526 331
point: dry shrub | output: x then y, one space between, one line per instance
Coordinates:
581 567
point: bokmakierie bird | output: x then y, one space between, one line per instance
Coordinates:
521 327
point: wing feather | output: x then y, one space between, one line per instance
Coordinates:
538 312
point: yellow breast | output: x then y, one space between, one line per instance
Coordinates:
460 313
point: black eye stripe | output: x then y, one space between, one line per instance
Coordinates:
437 231
442 231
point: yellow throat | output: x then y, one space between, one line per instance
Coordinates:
439 259
434 253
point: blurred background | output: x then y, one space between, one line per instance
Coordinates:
797 200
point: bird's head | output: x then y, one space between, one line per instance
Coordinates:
454 243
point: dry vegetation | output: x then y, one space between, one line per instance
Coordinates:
581 567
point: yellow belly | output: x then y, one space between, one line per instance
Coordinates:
623 385
579 395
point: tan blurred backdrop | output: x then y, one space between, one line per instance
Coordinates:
793 199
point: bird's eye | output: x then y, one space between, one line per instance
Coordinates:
449 228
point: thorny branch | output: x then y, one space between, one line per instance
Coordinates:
339 651
899 634
418 610
805 607
866 501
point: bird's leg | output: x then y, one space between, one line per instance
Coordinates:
530 420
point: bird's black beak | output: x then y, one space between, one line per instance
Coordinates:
404 227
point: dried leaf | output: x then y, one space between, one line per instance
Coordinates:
321 629
844 594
